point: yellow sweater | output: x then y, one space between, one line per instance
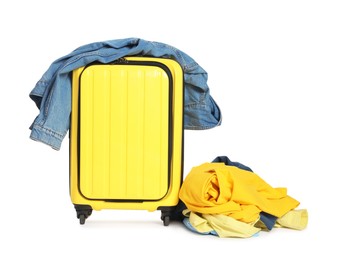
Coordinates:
215 188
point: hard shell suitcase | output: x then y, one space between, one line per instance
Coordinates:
126 136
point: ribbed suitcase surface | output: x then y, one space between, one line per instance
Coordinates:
126 136
124 132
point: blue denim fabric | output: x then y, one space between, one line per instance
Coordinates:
52 93
268 220
227 161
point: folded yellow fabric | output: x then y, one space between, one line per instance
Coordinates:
226 226
294 219
216 188
223 225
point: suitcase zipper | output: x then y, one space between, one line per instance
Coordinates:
120 61
124 61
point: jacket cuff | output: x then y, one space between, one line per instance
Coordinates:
46 136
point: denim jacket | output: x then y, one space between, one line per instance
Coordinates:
52 93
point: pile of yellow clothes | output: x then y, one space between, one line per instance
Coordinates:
228 201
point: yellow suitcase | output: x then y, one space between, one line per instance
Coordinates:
126 136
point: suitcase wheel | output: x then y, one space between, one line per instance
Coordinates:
83 212
82 218
166 220
165 216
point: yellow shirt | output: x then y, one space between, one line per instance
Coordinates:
223 225
215 188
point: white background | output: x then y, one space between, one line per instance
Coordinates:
275 71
